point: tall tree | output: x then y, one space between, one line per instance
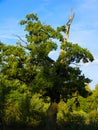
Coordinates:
30 64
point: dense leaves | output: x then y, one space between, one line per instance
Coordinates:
27 69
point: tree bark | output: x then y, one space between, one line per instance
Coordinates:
52 116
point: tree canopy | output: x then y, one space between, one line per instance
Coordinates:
30 64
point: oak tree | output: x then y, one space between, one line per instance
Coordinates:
28 63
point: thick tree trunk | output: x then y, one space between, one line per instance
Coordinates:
52 116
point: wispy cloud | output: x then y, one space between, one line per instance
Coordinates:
8 28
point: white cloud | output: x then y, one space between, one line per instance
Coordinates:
95 61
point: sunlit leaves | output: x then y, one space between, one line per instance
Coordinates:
75 54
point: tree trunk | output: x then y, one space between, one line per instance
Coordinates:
52 116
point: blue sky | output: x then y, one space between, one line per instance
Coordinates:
84 28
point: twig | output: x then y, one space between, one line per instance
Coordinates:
20 38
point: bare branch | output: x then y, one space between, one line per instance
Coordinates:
67 26
19 38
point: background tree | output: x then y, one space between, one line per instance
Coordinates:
96 87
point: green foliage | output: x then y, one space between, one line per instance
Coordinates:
93 101
74 54
29 77
93 117
24 110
